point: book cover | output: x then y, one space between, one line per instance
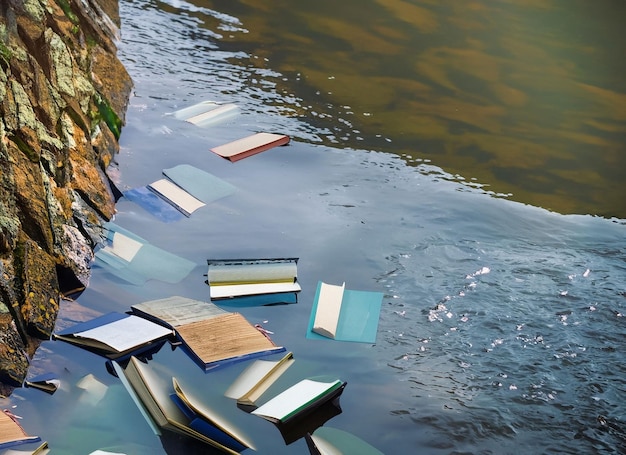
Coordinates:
344 315
114 334
251 145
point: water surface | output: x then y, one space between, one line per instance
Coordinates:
502 323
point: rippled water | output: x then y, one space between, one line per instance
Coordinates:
502 327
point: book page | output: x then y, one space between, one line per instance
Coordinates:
257 378
235 290
126 333
252 272
294 398
123 247
10 430
178 311
247 143
224 337
328 309
176 196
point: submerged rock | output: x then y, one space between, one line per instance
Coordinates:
63 97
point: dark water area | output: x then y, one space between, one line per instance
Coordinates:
502 328
525 98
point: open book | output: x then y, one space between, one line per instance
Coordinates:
256 379
152 392
344 315
251 145
300 399
12 434
241 278
115 335
211 336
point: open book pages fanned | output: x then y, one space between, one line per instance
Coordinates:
114 334
344 315
210 335
251 145
301 398
231 278
152 391
12 434
252 383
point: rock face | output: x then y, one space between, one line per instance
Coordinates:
63 95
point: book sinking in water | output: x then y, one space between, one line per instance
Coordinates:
250 145
207 113
254 381
211 336
184 190
344 315
250 279
115 335
300 399
167 405
11 432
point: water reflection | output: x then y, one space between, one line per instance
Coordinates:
527 98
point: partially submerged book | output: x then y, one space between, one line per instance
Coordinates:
47 382
152 392
115 335
211 336
11 432
184 190
207 113
236 278
300 399
332 441
250 145
344 315
134 260
254 381
205 420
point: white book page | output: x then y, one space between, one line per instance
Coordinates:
178 311
176 195
293 398
126 333
328 309
235 290
249 378
123 247
246 143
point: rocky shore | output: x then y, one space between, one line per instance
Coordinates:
63 96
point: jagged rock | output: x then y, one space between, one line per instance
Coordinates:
63 97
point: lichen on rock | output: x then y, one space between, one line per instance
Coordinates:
63 97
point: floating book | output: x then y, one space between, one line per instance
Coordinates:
207 113
133 259
344 315
153 395
211 336
47 382
238 278
115 335
300 399
251 145
206 421
256 379
331 441
185 190
12 434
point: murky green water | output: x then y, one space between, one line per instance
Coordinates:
526 98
